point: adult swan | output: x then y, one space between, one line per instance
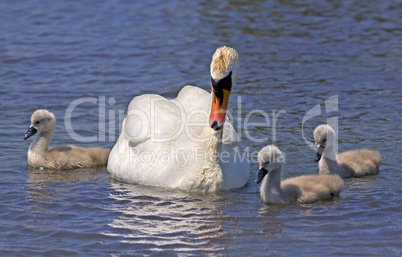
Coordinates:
183 142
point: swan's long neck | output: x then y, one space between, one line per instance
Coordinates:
215 141
41 144
271 186
210 177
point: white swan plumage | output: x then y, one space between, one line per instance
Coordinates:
173 143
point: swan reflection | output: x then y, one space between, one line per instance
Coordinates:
156 218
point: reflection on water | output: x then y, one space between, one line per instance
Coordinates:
52 194
271 225
364 182
46 186
156 218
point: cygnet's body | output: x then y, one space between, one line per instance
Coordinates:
355 163
59 157
302 189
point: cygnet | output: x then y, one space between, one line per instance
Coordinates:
59 157
301 189
355 163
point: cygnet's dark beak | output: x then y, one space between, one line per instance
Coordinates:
31 131
261 174
317 157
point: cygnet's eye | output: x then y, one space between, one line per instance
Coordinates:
266 163
325 140
37 122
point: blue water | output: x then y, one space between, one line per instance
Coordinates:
294 55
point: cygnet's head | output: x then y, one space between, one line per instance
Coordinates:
324 136
41 121
224 71
270 158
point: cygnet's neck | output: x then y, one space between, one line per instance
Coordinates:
271 185
329 152
328 162
41 144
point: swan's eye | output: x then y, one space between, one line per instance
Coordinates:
37 122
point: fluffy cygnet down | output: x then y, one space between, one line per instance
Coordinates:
59 157
301 189
355 163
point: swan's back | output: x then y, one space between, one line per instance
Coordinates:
311 188
360 162
152 116
71 157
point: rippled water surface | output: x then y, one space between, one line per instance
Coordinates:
294 56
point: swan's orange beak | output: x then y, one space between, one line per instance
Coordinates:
218 110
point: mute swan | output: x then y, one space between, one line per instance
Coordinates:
59 157
302 189
173 143
355 163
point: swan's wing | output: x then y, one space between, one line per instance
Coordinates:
152 117
194 99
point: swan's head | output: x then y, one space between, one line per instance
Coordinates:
42 121
270 158
224 71
324 136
